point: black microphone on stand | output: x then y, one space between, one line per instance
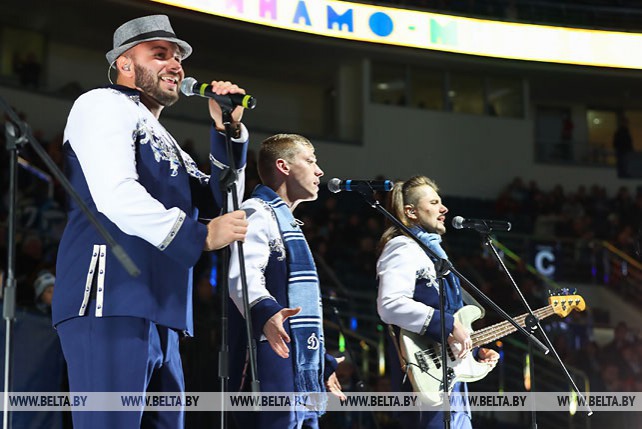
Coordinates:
481 225
337 185
189 87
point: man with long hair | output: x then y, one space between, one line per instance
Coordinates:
408 289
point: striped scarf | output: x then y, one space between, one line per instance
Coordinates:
452 287
303 291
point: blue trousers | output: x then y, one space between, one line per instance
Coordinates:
276 374
275 420
423 419
435 419
122 354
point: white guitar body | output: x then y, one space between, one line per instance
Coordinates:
423 358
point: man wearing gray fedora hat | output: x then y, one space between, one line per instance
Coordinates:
120 333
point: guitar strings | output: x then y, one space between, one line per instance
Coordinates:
488 334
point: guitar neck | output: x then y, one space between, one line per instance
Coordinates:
499 330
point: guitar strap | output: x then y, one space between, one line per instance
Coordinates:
402 360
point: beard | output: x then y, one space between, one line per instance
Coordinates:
150 85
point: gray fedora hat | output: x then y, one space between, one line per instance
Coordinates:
144 29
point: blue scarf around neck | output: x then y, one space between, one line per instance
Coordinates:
303 291
452 287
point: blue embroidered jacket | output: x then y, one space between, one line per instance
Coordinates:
155 221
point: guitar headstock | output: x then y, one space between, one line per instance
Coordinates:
563 303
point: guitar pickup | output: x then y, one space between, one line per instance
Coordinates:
422 361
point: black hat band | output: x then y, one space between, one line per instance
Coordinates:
149 35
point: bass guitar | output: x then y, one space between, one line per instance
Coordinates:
422 356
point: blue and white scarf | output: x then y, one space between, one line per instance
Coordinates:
303 291
452 287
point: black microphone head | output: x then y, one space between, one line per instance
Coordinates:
334 185
249 102
187 86
388 185
458 222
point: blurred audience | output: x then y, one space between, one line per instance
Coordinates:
343 231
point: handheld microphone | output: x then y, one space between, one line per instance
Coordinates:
481 225
337 185
189 87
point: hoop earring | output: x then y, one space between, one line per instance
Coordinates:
111 66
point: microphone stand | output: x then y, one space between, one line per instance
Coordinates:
533 324
441 269
228 186
443 266
360 385
17 133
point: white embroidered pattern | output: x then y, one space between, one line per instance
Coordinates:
165 148
276 246
427 274
267 208
423 273
192 169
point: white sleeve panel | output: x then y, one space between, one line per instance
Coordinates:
256 251
240 183
100 130
396 269
244 136
240 188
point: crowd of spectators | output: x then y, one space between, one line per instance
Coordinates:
585 213
583 220
343 232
